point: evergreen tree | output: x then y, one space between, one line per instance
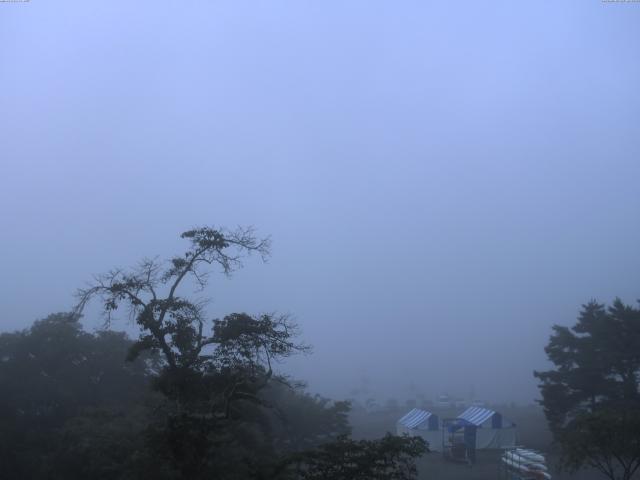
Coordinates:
591 397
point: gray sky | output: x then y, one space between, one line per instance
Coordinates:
443 181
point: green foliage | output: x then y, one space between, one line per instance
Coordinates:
593 387
54 374
389 458
101 444
300 421
605 439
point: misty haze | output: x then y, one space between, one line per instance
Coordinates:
320 240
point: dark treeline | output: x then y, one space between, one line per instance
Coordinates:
189 398
72 407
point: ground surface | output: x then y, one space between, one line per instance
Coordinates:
532 433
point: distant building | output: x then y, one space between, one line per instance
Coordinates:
446 401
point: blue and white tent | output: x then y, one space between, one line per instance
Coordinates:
421 423
492 429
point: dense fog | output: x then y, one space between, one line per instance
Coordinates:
441 182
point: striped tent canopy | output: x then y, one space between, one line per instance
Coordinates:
487 428
416 418
476 415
